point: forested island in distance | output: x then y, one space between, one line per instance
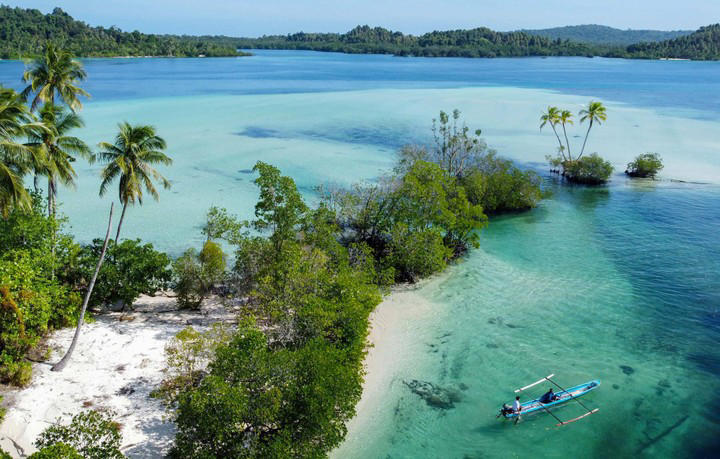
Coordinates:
704 44
25 33
604 35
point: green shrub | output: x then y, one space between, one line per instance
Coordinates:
645 165
31 304
197 273
499 186
4 454
3 410
588 170
57 451
92 434
416 254
130 269
267 401
187 356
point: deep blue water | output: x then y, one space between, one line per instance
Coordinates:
683 85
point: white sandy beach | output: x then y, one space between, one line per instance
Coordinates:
115 366
392 327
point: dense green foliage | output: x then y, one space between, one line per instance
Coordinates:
701 45
57 451
26 32
131 268
196 273
435 203
645 165
604 35
588 170
483 42
92 434
480 42
288 391
16 159
32 301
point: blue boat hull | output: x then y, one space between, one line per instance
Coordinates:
565 396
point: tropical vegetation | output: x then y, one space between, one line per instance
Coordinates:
590 170
27 32
604 35
704 44
90 435
42 269
197 273
130 159
646 165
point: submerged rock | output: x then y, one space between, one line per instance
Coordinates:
627 369
434 395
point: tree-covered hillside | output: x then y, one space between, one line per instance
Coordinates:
25 33
701 45
482 42
604 35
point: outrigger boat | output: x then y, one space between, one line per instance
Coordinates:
563 396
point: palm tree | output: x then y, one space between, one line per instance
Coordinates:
552 117
595 113
66 358
130 157
59 148
56 72
565 118
16 159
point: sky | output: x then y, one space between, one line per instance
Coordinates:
251 18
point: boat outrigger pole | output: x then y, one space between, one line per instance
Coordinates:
535 383
589 411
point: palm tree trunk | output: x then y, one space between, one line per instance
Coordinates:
49 198
122 216
51 214
559 141
567 142
586 137
66 358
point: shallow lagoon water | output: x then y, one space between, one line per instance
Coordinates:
618 283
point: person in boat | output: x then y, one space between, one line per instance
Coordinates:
507 410
516 405
548 397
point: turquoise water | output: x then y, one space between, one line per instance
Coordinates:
619 283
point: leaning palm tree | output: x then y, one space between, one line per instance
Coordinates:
595 113
16 159
55 72
564 119
552 117
60 149
130 158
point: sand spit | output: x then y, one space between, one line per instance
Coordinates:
116 365
393 346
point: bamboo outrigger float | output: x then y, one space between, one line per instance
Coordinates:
563 396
